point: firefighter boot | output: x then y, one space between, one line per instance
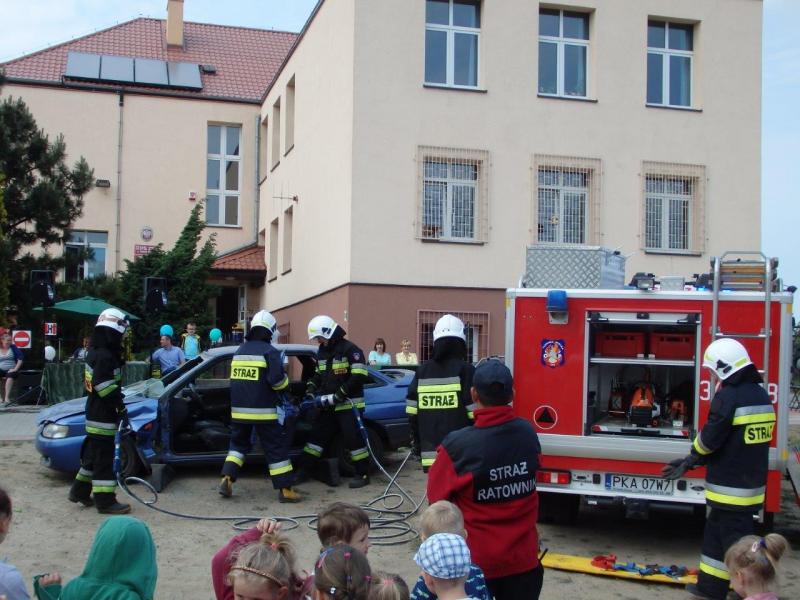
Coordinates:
289 496
225 487
695 592
116 508
81 492
358 481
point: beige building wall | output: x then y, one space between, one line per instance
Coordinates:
315 166
164 152
395 114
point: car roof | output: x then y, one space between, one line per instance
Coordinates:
290 349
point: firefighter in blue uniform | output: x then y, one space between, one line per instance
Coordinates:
734 447
257 378
105 410
338 384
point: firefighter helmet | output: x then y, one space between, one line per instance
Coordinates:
725 357
321 326
449 326
265 319
113 318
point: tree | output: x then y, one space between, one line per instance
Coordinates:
42 195
3 260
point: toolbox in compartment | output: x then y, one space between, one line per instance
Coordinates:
676 346
619 343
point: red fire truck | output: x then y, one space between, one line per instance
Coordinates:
612 380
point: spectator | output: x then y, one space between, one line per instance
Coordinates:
378 356
445 517
753 565
387 586
445 562
342 573
10 364
80 353
169 357
343 523
121 566
405 356
12 586
190 341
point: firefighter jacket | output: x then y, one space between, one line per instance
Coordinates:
102 376
439 399
489 472
341 370
734 445
256 376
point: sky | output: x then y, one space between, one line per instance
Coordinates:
30 25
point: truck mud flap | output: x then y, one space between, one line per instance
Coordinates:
793 470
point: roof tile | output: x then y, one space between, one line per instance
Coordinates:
246 259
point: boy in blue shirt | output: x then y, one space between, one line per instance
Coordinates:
190 341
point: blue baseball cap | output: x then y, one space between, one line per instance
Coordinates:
444 555
492 379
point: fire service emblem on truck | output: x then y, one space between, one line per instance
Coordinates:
552 354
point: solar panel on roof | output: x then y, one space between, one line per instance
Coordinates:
116 68
150 71
184 75
82 66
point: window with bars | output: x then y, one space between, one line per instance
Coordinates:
476 328
669 63
566 200
453 195
673 207
223 178
563 52
452 42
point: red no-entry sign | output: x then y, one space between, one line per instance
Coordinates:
21 338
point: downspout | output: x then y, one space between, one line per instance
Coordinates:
257 179
117 261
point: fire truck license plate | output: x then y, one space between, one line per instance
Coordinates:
639 485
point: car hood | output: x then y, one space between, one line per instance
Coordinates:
75 407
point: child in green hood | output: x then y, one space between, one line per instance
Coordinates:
121 566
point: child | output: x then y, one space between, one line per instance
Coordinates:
190 341
279 549
341 573
342 523
445 517
445 562
753 563
260 572
387 586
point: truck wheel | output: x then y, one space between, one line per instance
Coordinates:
558 509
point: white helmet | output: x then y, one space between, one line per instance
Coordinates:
265 319
725 357
449 326
113 318
321 326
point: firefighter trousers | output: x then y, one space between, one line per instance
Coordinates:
723 529
326 426
96 475
275 444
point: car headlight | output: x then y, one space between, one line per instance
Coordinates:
55 431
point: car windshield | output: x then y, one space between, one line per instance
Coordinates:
149 388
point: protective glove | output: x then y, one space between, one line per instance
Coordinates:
676 468
309 398
340 396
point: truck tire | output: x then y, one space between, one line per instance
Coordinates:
558 509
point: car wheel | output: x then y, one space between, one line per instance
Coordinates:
130 465
346 465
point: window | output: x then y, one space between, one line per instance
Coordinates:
263 148
563 52
669 63
452 42
287 240
276 133
289 116
272 270
673 207
476 328
454 193
85 255
223 179
566 200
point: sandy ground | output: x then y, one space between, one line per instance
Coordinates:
49 533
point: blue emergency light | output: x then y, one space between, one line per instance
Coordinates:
556 307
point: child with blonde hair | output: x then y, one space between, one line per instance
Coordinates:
445 517
753 565
388 586
342 573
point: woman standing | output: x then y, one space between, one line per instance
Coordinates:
10 364
379 357
406 356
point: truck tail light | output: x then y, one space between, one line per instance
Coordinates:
554 477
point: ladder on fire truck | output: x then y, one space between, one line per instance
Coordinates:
739 270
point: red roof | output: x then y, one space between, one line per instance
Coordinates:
246 259
246 60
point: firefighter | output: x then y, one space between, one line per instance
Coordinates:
338 386
734 447
438 399
257 380
105 411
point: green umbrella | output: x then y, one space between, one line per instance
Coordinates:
83 307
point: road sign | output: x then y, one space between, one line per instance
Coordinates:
21 338
51 329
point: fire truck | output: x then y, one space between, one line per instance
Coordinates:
612 380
